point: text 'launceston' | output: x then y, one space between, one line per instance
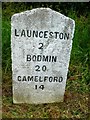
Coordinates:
41 34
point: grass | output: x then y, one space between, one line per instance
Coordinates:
76 97
75 103
6 49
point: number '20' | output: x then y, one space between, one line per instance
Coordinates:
38 68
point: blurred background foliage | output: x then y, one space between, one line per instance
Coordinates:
80 12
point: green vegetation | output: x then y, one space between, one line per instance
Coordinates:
75 103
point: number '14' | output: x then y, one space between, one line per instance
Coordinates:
39 87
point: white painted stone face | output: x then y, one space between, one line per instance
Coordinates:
41 42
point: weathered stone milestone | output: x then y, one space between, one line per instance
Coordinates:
41 43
